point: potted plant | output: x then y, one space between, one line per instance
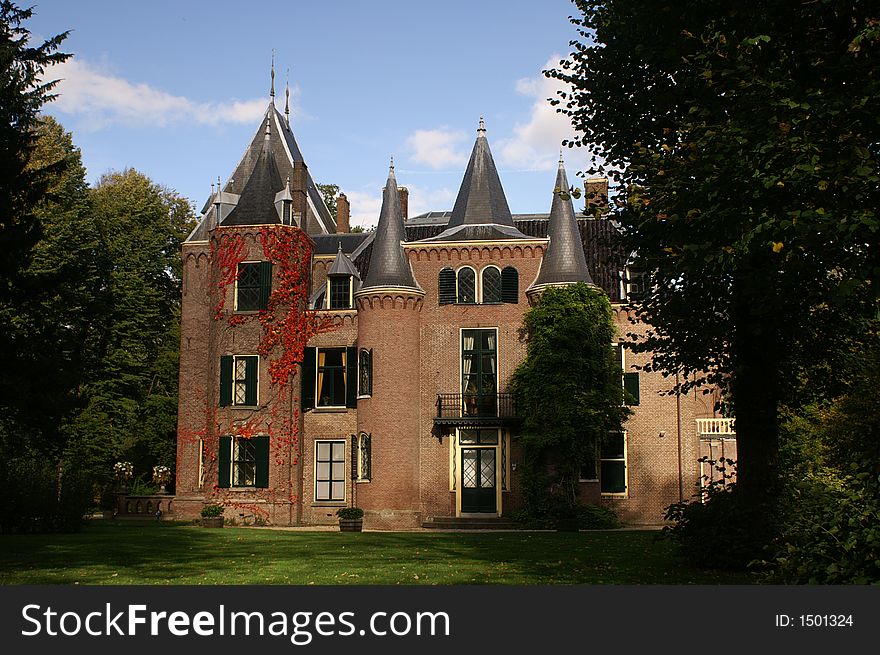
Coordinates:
351 519
123 472
212 516
161 476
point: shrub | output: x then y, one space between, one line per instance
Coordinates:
831 532
42 497
212 511
350 513
583 517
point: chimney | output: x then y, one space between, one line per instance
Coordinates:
404 202
596 195
343 210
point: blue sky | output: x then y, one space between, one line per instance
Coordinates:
176 90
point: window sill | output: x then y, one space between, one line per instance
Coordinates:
330 410
614 495
362 481
246 312
251 407
365 397
593 480
329 503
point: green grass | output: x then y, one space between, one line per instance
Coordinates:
155 554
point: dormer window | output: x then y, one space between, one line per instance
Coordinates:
339 292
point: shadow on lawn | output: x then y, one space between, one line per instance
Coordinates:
153 553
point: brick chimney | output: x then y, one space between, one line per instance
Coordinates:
343 213
404 202
596 194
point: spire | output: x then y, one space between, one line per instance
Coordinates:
272 86
342 265
268 134
389 266
481 197
287 99
564 262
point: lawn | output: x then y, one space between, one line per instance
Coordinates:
158 554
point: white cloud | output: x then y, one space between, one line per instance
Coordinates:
100 99
438 149
365 207
535 144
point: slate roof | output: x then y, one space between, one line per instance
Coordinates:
328 244
256 206
342 265
389 266
564 262
480 211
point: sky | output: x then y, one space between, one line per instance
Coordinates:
176 90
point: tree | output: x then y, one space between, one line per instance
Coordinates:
568 389
745 146
22 94
330 192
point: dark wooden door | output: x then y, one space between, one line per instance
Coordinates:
478 480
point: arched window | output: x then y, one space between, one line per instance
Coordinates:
466 292
446 286
510 285
491 285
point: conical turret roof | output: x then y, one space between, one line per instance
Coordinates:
342 265
564 262
481 211
389 266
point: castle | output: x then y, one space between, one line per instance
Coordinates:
401 342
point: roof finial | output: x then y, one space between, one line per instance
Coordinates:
482 127
560 158
287 98
219 187
392 164
272 87
268 130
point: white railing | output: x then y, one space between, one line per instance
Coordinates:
716 426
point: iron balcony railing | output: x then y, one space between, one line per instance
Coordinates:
454 407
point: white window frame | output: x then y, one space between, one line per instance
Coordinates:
500 287
625 460
330 480
235 359
344 350
362 438
350 298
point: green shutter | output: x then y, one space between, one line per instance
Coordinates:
510 285
265 283
631 388
261 455
446 286
351 376
251 380
309 371
225 380
224 461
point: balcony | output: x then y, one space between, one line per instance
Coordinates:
476 410
712 428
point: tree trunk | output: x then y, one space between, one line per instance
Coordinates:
755 383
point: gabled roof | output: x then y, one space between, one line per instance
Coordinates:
389 266
481 211
564 262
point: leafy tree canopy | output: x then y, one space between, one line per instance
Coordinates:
744 143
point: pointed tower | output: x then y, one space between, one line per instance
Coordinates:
481 211
564 262
389 306
256 205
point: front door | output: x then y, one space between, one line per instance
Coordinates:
478 480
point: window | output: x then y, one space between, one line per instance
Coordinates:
253 285
589 472
329 470
479 372
466 289
612 464
365 372
340 292
635 284
629 380
491 285
363 462
330 377
239 380
244 462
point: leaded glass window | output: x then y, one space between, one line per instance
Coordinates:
466 292
244 463
340 292
248 287
491 285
